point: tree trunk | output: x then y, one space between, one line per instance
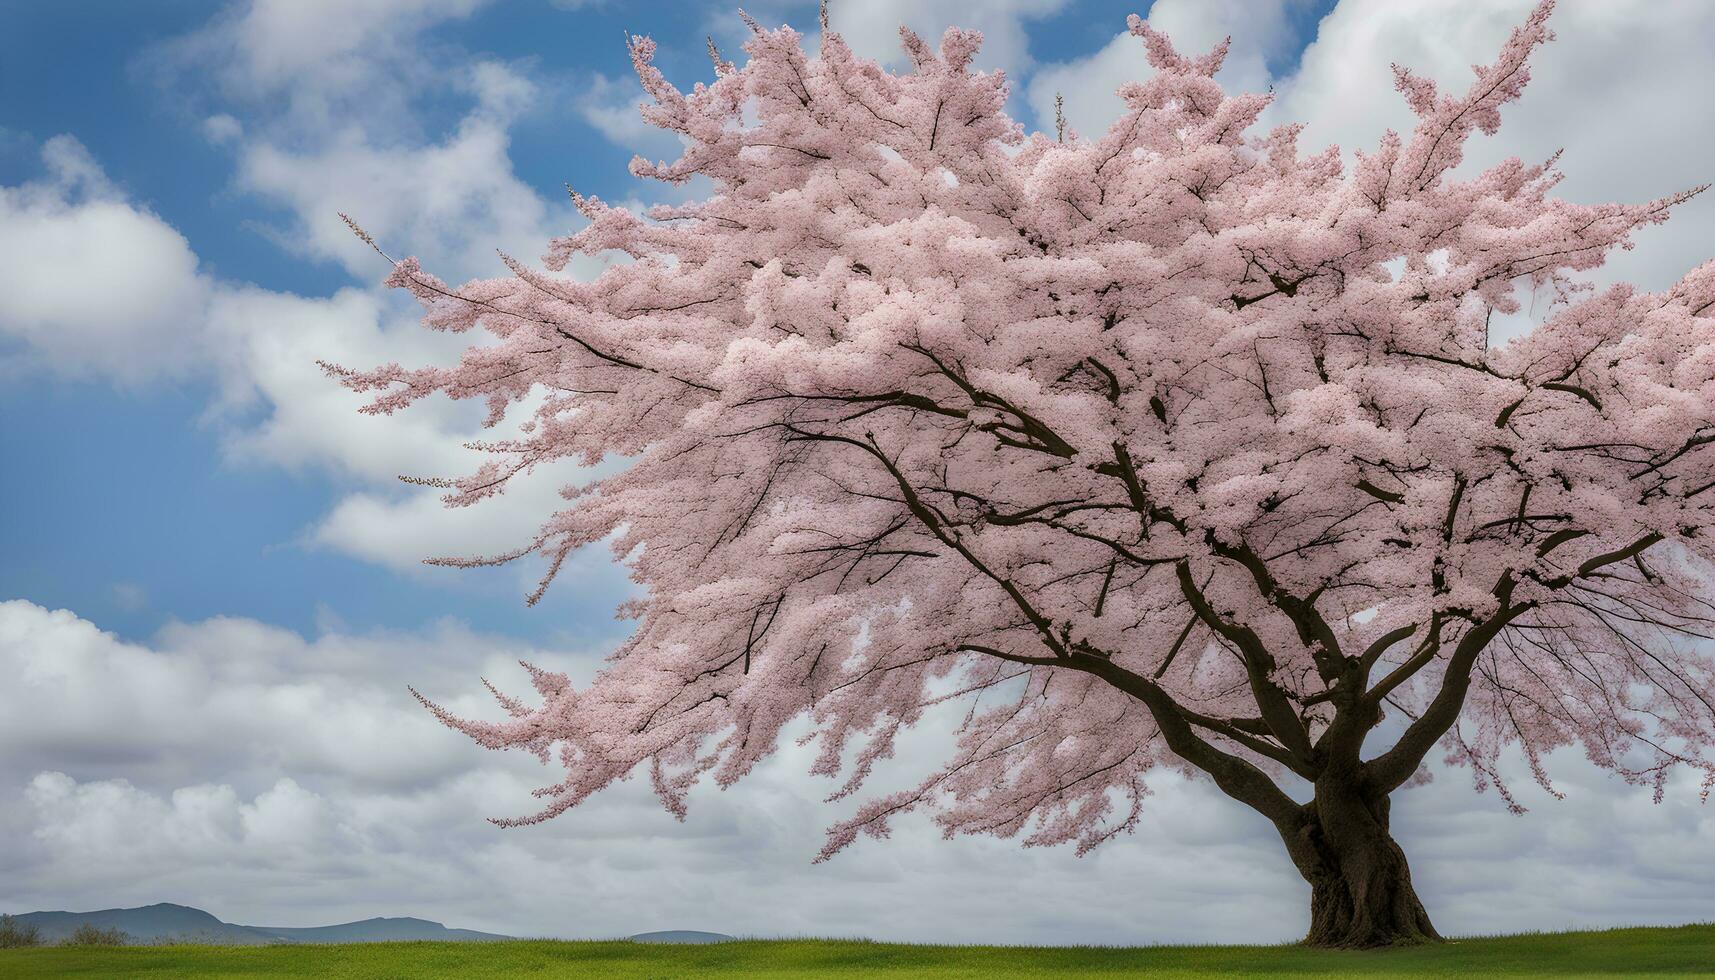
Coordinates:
1360 886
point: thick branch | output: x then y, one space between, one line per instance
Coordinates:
1236 777
1318 637
1272 702
1388 771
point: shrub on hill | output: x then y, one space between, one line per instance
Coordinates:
14 934
90 935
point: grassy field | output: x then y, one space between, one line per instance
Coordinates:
1681 951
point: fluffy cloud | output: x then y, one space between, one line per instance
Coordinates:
347 135
268 776
279 408
400 530
91 283
228 696
344 109
281 41
227 758
451 202
101 822
321 62
611 107
157 316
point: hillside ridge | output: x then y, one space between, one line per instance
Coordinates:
166 921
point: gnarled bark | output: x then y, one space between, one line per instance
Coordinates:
1361 896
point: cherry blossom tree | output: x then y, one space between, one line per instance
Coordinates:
1173 448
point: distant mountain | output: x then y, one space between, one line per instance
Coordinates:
378 931
149 924
178 923
681 936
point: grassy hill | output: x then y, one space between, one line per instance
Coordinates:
1680 951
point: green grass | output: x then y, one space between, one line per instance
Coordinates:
1679 951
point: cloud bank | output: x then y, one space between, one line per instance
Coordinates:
262 774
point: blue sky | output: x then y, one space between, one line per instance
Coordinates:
141 494
145 478
180 476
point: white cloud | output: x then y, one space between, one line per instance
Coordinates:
226 695
342 109
101 822
322 61
281 780
611 107
400 530
452 203
279 408
282 41
156 316
268 344
344 136
222 129
91 283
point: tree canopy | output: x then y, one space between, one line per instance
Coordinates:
1176 447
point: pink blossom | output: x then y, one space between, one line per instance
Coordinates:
1132 444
